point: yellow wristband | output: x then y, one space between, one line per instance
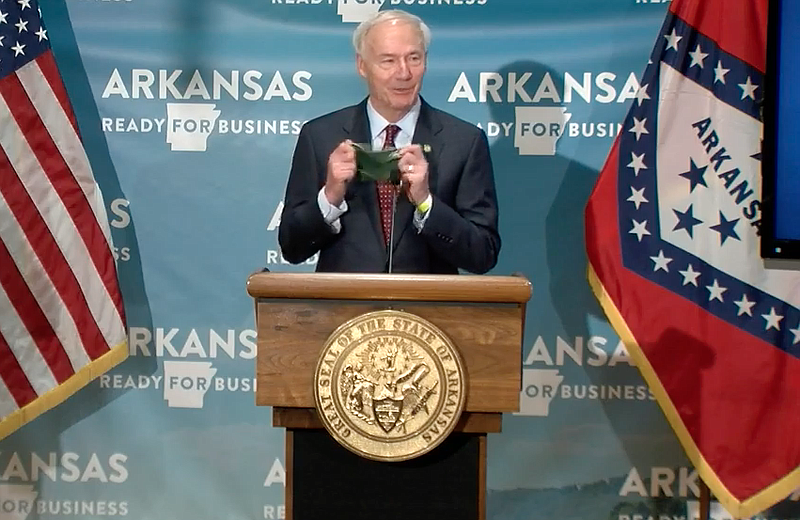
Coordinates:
424 206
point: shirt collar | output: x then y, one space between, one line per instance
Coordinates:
377 123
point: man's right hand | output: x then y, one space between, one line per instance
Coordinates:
341 170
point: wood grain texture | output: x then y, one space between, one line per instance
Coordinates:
307 418
291 334
412 287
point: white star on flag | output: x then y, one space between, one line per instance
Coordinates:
18 49
715 291
672 40
639 229
637 163
745 306
641 94
748 89
697 57
22 25
690 276
637 197
638 127
719 73
796 333
660 261
773 320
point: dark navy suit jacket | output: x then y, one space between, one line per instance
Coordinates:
459 233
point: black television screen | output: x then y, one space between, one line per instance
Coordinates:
780 164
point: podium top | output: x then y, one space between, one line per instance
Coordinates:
397 287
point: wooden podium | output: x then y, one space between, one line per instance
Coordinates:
297 312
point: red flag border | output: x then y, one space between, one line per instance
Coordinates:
738 508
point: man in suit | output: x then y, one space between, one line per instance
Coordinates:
446 207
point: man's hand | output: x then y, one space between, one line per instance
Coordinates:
341 170
414 173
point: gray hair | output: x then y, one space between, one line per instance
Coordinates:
360 34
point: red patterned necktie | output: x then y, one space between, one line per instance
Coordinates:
386 190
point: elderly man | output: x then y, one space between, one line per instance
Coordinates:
444 212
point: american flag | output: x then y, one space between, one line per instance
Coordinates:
672 240
61 312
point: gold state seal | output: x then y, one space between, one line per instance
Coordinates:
389 385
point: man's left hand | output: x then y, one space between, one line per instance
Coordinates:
414 173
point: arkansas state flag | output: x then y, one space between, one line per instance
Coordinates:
671 231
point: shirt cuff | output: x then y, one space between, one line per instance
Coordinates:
330 212
422 212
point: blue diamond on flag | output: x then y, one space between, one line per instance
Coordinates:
689 206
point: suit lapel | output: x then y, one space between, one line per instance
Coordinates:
425 133
359 132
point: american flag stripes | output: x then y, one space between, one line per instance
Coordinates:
61 312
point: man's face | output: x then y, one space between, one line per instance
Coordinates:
393 63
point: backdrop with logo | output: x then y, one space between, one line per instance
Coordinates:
190 110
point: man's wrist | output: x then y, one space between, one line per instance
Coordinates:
330 213
334 196
425 205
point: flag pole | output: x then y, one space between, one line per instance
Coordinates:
705 500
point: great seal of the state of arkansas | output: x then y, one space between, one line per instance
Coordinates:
389 385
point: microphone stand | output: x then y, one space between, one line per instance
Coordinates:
391 225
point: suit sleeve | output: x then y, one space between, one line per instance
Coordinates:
466 235
303 231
